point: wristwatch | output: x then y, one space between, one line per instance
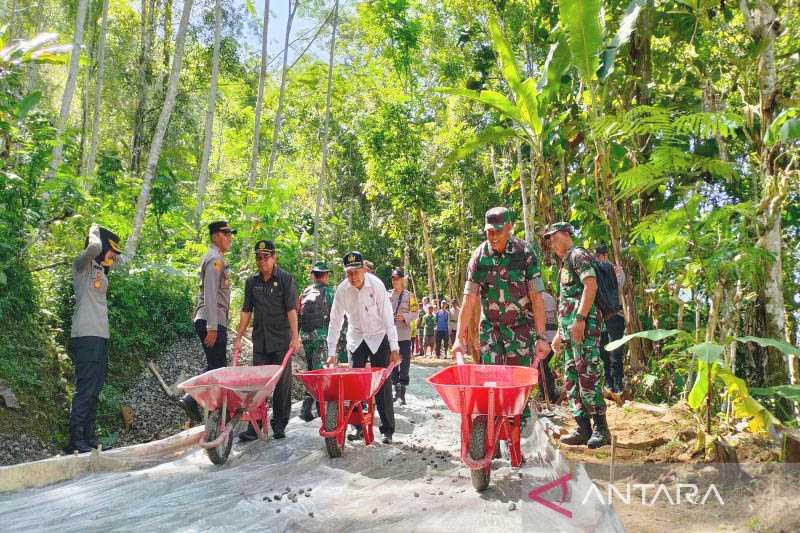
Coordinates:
581 317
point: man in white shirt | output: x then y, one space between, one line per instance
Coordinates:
371 333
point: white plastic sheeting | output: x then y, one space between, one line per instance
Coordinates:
377 487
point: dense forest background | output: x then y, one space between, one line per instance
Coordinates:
666 129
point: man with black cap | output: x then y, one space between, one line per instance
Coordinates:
579 336
315 312
88 346
404 307
211 317
371 331
270 298
504 278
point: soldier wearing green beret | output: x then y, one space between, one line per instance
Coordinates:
504 278
315 312
579 336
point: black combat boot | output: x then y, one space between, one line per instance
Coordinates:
600 436
305 412
581 434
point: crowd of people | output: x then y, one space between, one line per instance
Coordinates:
360 322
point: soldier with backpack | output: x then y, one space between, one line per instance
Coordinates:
315 312
610 279
579 336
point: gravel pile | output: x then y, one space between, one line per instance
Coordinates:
19 448
155 415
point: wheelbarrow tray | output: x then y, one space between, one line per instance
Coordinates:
244 386
357 384
466 388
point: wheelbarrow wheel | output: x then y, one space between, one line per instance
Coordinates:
477 449
219 454
331 416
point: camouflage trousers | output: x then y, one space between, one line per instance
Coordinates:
583 374
502 345
316 348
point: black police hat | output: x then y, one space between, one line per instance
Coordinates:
220 225
353 260
110 240
265 247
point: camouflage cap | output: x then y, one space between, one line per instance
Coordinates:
497 218
320 267
559 226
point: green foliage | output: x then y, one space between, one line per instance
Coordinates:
581 20
621 38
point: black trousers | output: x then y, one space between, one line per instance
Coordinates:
217 355
282 397
90 357
546 379
400 372
612 361
442 338
383 399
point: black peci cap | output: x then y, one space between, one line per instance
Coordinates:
352 261
264 247
398 273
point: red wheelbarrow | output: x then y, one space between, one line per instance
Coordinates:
342 395
491 399
232 394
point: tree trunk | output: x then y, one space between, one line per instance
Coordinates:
69 89
253 173
88 169
161 129
209 126
426 238
525 212
84 121
273 153
143 82
761 24
565 214
323 170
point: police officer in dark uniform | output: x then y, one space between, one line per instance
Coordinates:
271 296
89 335
211 318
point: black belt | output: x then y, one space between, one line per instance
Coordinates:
551 327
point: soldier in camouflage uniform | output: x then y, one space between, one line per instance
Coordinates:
503 276
579 336
314 317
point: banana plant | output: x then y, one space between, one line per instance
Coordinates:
712 370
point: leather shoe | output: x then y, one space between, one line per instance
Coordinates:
358 435
248 435
387 439
278 433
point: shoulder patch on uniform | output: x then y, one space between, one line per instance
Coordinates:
217 265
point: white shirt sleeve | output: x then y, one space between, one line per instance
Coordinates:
388 320
336 321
